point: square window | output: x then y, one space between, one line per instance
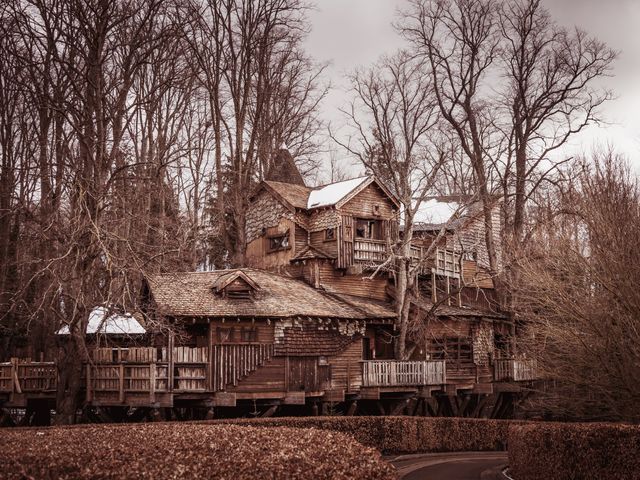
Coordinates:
330 234
225 334
249 334
279 242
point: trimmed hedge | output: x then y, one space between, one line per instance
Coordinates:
570 451
185 450
403 434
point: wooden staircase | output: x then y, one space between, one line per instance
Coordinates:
233 362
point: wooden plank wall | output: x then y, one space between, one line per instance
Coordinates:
357 285
346 372
362 205
305 374
328 246
257 254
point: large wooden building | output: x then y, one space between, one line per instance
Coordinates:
310 322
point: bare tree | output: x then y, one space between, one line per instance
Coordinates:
263 90
395 117
577 293
460 41
550 96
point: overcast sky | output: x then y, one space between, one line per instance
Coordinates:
351 33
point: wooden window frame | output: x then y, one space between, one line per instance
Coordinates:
249 334
286 236
375 228
333 234
229 337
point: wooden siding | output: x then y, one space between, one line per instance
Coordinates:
364 204
476 276
306 374
258 254
345 368
358 285
301 238
345 242
328 246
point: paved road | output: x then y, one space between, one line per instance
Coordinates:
450 466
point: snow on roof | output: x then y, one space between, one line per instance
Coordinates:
116 324
333 193
436 212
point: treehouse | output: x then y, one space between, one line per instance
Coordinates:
312 320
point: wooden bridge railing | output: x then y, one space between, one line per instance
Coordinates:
514 370
390 373
25 376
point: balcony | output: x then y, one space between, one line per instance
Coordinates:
366 250
515 370
396 373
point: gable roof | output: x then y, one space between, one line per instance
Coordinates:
191 294
225 280
339 193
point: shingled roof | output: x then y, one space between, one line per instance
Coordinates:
284 169
307 340
295 195
192 294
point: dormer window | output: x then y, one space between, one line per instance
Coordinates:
236 285
278 242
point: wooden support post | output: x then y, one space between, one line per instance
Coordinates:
14 374
434 295
314 409
152 382
209 368
351 411
170 359
121 383
348 376
89 389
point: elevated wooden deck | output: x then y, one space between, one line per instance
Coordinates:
395 373
515 370
24 380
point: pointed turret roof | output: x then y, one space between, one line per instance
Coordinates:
283 168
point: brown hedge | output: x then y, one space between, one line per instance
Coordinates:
404 434
185 450
570 451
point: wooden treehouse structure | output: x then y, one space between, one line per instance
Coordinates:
310 323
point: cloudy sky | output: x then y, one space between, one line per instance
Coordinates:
351 33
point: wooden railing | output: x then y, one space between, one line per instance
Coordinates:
231 363
390 373
190 373
21 377
514 370
126 379
369 251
